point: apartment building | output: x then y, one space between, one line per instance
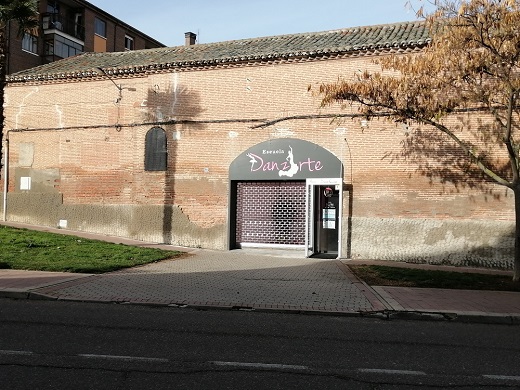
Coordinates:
68 28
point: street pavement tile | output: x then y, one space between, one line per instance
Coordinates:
232 279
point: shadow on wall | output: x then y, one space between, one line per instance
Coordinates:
459 243
444 163
440 159
164 106
348 196
488 244
177 104
499 256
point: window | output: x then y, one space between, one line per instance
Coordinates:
62 47
100 27
79 26
53 7
129 43
155 150
30 43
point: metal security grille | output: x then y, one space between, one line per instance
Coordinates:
309 231
271 213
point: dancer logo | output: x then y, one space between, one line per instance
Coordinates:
287 168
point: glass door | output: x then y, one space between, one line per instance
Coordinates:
323 220
327 221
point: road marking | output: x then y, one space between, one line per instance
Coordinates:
22 353
394 372
126 358
261 365
502 377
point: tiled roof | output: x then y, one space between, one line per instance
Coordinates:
307 45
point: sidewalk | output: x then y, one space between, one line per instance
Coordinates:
264 281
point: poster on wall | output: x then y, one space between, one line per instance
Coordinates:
329 218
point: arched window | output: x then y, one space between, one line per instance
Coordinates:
155 150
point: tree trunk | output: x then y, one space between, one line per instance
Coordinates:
516 264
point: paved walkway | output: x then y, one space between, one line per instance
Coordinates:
252 280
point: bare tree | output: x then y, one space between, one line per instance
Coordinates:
471 65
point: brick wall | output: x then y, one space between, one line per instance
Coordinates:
19 59
386 184
115 34
103 164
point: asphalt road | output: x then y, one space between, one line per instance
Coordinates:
64 345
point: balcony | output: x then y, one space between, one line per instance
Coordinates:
55 22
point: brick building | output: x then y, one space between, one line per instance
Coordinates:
223 146
68 28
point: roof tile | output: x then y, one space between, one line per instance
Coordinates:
401 35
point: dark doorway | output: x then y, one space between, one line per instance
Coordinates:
326 221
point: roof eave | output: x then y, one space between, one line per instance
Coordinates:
238 60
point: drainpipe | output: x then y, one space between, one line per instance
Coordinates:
6 174
8 48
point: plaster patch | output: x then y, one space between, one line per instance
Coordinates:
282 133
22 105
59 111
25 154
175 88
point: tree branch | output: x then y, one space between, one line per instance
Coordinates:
314 116
475 158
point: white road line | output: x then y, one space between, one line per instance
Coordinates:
503 377
22 353
393 372
126 358
260 365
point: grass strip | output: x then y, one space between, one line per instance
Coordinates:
25 249
382 275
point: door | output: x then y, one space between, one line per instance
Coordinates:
326 220
323 222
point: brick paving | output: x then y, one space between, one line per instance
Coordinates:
23 281
444 300
270 280
229 279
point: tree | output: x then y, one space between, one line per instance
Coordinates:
24 13
471 65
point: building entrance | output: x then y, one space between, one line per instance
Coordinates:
323 218
286 193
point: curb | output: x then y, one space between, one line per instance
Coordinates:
374 297
34 296
498 319
387 315
15 294
489 319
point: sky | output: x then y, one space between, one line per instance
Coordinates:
224 20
